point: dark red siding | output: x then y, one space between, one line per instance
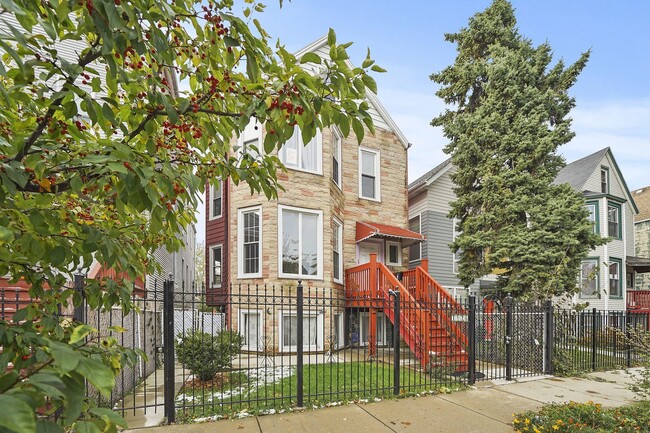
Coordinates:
216 233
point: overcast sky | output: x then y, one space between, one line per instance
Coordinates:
407 39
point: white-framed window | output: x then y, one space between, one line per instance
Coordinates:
216 268
364 328
250 140
415 250
298 156
615 281
249 242
300 243
604 180
393 253
339 330
216 200
369 175
614 221
337 250
592 208
312 330
251 328
337 145
456 255
589 280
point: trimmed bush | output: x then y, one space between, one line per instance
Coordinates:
205 355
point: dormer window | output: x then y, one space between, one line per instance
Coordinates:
604 180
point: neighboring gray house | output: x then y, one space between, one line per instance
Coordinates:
612 210
605 274
179 264
429 198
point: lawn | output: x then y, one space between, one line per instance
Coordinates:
268 390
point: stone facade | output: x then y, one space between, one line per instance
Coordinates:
319 192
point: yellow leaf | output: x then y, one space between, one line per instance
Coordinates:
45 184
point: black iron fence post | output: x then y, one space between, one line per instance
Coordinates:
471 337
594 335
79 314
548 337
168 349
396 343
509 337
299 342
628 347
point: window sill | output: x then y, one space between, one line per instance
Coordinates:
302 170
300 277
378 200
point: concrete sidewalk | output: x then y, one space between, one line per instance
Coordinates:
486 408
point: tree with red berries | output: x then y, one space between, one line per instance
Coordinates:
102 158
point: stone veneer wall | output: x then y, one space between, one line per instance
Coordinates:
319 192
642 246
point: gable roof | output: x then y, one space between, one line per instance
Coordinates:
318 47
430 175
642 199
578 172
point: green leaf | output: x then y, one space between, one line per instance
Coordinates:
331 37
116 328
98 374
370 83
65 359
357 127
377 68
311 58
16 415
6 235
44 426
109 415
230 41
8 379
80 332
86 427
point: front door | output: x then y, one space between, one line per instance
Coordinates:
366 248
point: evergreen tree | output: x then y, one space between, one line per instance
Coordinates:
509 116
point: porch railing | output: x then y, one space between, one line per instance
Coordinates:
373 280
638 299
447 311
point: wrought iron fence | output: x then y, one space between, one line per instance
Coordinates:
268 348
595 339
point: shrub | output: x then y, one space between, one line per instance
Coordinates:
205 355
585 418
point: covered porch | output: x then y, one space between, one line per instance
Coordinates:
637 300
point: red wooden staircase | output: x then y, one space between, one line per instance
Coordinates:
427 317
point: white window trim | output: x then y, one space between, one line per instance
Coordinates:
240 242
211 265
596 278
320 330
367 314
340 228
419 217
250 133
399 253
340 341
319 243
336 134
454 234
241 329
319 153
211 216
377 174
